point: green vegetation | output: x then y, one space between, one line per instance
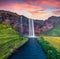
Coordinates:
50 42
54 41
10 40
53 32
49 49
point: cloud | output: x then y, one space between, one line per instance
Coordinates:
11 1
57 12
50 3
40 9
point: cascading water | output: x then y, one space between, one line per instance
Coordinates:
21 26
31 28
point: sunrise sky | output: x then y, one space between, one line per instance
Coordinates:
36 9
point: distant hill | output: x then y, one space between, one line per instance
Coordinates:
43 26
53 32
54 20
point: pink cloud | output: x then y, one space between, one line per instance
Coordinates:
52 3
57 12
36 7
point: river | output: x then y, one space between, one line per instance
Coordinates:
31 50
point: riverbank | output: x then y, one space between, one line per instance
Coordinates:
10 40
50 47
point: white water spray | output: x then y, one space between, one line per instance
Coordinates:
31 28
21 26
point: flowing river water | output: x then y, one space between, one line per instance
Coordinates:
31 50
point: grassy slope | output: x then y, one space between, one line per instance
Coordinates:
53 32
49 49
9 40
50 42
54 41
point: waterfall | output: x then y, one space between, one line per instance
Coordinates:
31 28
21 26
33 34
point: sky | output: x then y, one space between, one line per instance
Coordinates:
35 9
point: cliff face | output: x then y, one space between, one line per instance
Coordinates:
43 26
10 18
55 21
16 22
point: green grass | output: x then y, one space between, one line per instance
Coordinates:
54 41
49 49
50 42
53 32
10 40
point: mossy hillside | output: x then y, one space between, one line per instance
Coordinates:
10 40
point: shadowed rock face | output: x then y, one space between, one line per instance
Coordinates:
40 26
10 18
43 26
55 21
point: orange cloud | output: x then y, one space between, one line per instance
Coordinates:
36 7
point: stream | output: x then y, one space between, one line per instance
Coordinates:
31 50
